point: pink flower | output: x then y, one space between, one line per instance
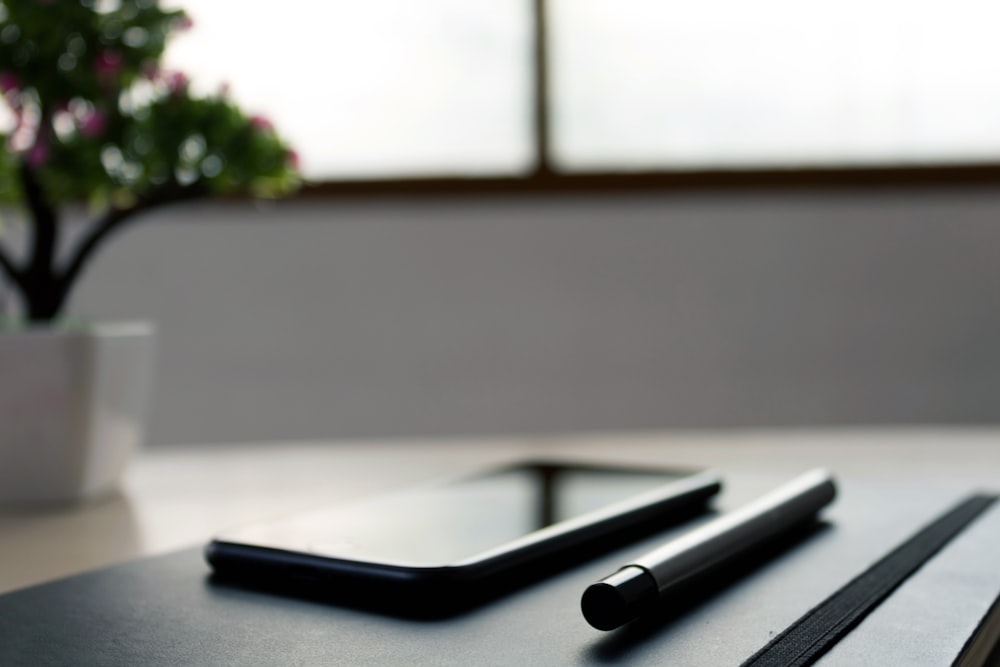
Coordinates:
177 82
261 123
38 154
292 158
9 82
150 69
94 124
108 64
184 23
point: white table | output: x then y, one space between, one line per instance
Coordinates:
176 497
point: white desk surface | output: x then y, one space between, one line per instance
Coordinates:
175 497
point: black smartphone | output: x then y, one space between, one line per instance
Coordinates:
442 547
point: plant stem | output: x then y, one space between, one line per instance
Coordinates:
116 218
42 295
43 288
44 227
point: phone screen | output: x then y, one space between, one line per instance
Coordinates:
446 524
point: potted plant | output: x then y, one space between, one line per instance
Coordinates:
97 125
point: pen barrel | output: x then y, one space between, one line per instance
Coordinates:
711 547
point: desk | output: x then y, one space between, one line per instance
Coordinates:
167 611
175 497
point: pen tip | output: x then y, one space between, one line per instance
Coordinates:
618 599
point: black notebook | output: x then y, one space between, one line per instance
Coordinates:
947 613
167 610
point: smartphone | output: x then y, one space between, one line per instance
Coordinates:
442 547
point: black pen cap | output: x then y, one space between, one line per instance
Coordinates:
620 598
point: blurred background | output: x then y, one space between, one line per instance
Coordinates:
536 217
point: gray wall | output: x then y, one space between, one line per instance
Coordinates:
372 318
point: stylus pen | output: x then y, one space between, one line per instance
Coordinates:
639 586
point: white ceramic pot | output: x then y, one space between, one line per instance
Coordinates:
73 405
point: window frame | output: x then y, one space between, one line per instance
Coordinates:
546 178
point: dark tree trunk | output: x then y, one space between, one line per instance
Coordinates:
44 286
43 297
41 290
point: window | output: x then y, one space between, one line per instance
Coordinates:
666 84
397 88
375 88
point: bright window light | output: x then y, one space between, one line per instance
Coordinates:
405 88
661 84
375 88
